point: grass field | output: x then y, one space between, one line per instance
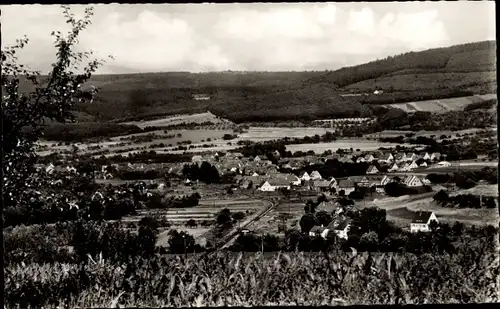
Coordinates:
400 210
361 144
415 82
437 134
178 119
443 105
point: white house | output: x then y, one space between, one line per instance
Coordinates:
435 156
378 92
360 160
412 157
385 180
305 176
386 158
424 164
412 181
197 159
413 165
427 156
422 220
315 175
393 168
426 181
372 170
369 158
347 185
272 185
342 228
444 164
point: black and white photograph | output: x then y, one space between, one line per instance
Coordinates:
249 154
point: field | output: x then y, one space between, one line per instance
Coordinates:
400 210
179 119
205 211
342 144
443 105
415 82
437 134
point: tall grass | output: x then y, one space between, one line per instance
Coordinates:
285 279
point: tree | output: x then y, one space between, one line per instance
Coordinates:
368 242
238 216
224 218
180 242
307 222
323 217
441 197
24 111
191 223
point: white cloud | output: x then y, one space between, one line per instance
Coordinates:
245 37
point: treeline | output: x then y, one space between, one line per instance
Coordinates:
438 58
487 104
464 200
158 201
466 179
204 172
422 95
144 156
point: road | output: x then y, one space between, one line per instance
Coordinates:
233 234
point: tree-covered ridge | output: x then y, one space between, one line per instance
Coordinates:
471 57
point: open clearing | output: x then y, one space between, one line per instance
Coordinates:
361 144
178 119
442 105
396 133
399 210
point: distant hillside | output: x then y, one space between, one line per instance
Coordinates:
465 58
461 70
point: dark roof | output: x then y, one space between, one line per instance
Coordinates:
321 183
346 183
342 225
421 217
317 229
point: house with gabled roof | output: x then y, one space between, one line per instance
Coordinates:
425 156
412 181
304 176
340 228
424 164
385 180
360 159
333 181
393 168
411 157
372 169
386 158
369 157
360 181
321 185
316 230
315 175
274 184
413 165
405 168
347 185
292 179
436 156
400 157
422 220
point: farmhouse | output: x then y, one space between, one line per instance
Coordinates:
316 231
412 181
315 175
372 170
341 229
304 176
426 156
386 158
393 168
293 180
321 185
444 164
360 181
413 165
347 185
360 160
272 185
369 158
421 221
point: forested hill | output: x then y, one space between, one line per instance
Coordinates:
461 70
465 58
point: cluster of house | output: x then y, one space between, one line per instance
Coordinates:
341 224
315 182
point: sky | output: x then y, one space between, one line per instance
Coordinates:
249 37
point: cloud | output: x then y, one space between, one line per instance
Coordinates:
236 37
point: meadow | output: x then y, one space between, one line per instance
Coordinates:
442 105
361 144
